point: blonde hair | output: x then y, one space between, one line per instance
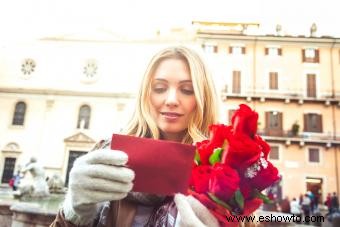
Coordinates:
143 125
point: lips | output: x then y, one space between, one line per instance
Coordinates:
171 115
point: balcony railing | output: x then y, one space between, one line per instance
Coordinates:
286 95
308 137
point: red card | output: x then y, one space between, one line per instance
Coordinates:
161 167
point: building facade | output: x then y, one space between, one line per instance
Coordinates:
293 82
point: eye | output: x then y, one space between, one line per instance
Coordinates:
187 90
159 89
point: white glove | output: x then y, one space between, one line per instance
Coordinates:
192 213
96 177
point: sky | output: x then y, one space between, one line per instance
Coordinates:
33 19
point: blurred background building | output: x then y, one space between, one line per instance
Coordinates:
60 95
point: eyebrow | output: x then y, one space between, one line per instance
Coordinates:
182 81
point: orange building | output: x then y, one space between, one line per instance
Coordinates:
294 85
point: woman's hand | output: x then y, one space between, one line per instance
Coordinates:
192 213
96 177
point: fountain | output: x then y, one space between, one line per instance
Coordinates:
35 202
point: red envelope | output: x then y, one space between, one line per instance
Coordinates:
161 167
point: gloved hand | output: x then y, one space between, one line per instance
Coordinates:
192 213
96 177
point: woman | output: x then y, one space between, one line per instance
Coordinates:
177 102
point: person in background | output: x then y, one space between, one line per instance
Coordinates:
285 205
295 208
176 102
334 202
328 203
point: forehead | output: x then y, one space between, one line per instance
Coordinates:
172 68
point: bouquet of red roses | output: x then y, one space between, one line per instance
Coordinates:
232 168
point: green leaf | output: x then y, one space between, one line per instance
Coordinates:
218 201
264 198
215 156
197 158
239 199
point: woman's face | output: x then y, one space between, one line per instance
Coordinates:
172 98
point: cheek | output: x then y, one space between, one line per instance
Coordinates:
154 102
191 105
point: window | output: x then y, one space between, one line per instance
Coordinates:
313 122
273 81
84 117
274 123
311 85
273 119
313 155
273 51
237 50
236 82
274 153
19 114
210 48
310 55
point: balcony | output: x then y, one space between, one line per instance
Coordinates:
289 95
287 137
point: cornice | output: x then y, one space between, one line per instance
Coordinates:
37 91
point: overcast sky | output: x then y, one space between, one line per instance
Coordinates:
20 20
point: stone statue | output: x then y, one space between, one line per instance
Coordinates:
35 187
56 184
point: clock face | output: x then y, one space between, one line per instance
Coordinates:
90 69
28 66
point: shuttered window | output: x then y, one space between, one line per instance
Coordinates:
313 155
311 85
274 153
273 123
236 82
310 55
273 51
237 50
273 81
312 122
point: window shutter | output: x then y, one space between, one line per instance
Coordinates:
305 123
243 50
279 51
280 120
319 123
215 49
311 85
230 49
316 58
267 119
273 80
236 82
266 51
303 55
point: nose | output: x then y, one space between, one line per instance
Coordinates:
172 98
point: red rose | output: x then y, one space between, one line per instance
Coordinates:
245 188
263 144
244 121
224 181
242 151
204 149
200 177
218 134
265 177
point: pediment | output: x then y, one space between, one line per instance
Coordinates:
79 137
